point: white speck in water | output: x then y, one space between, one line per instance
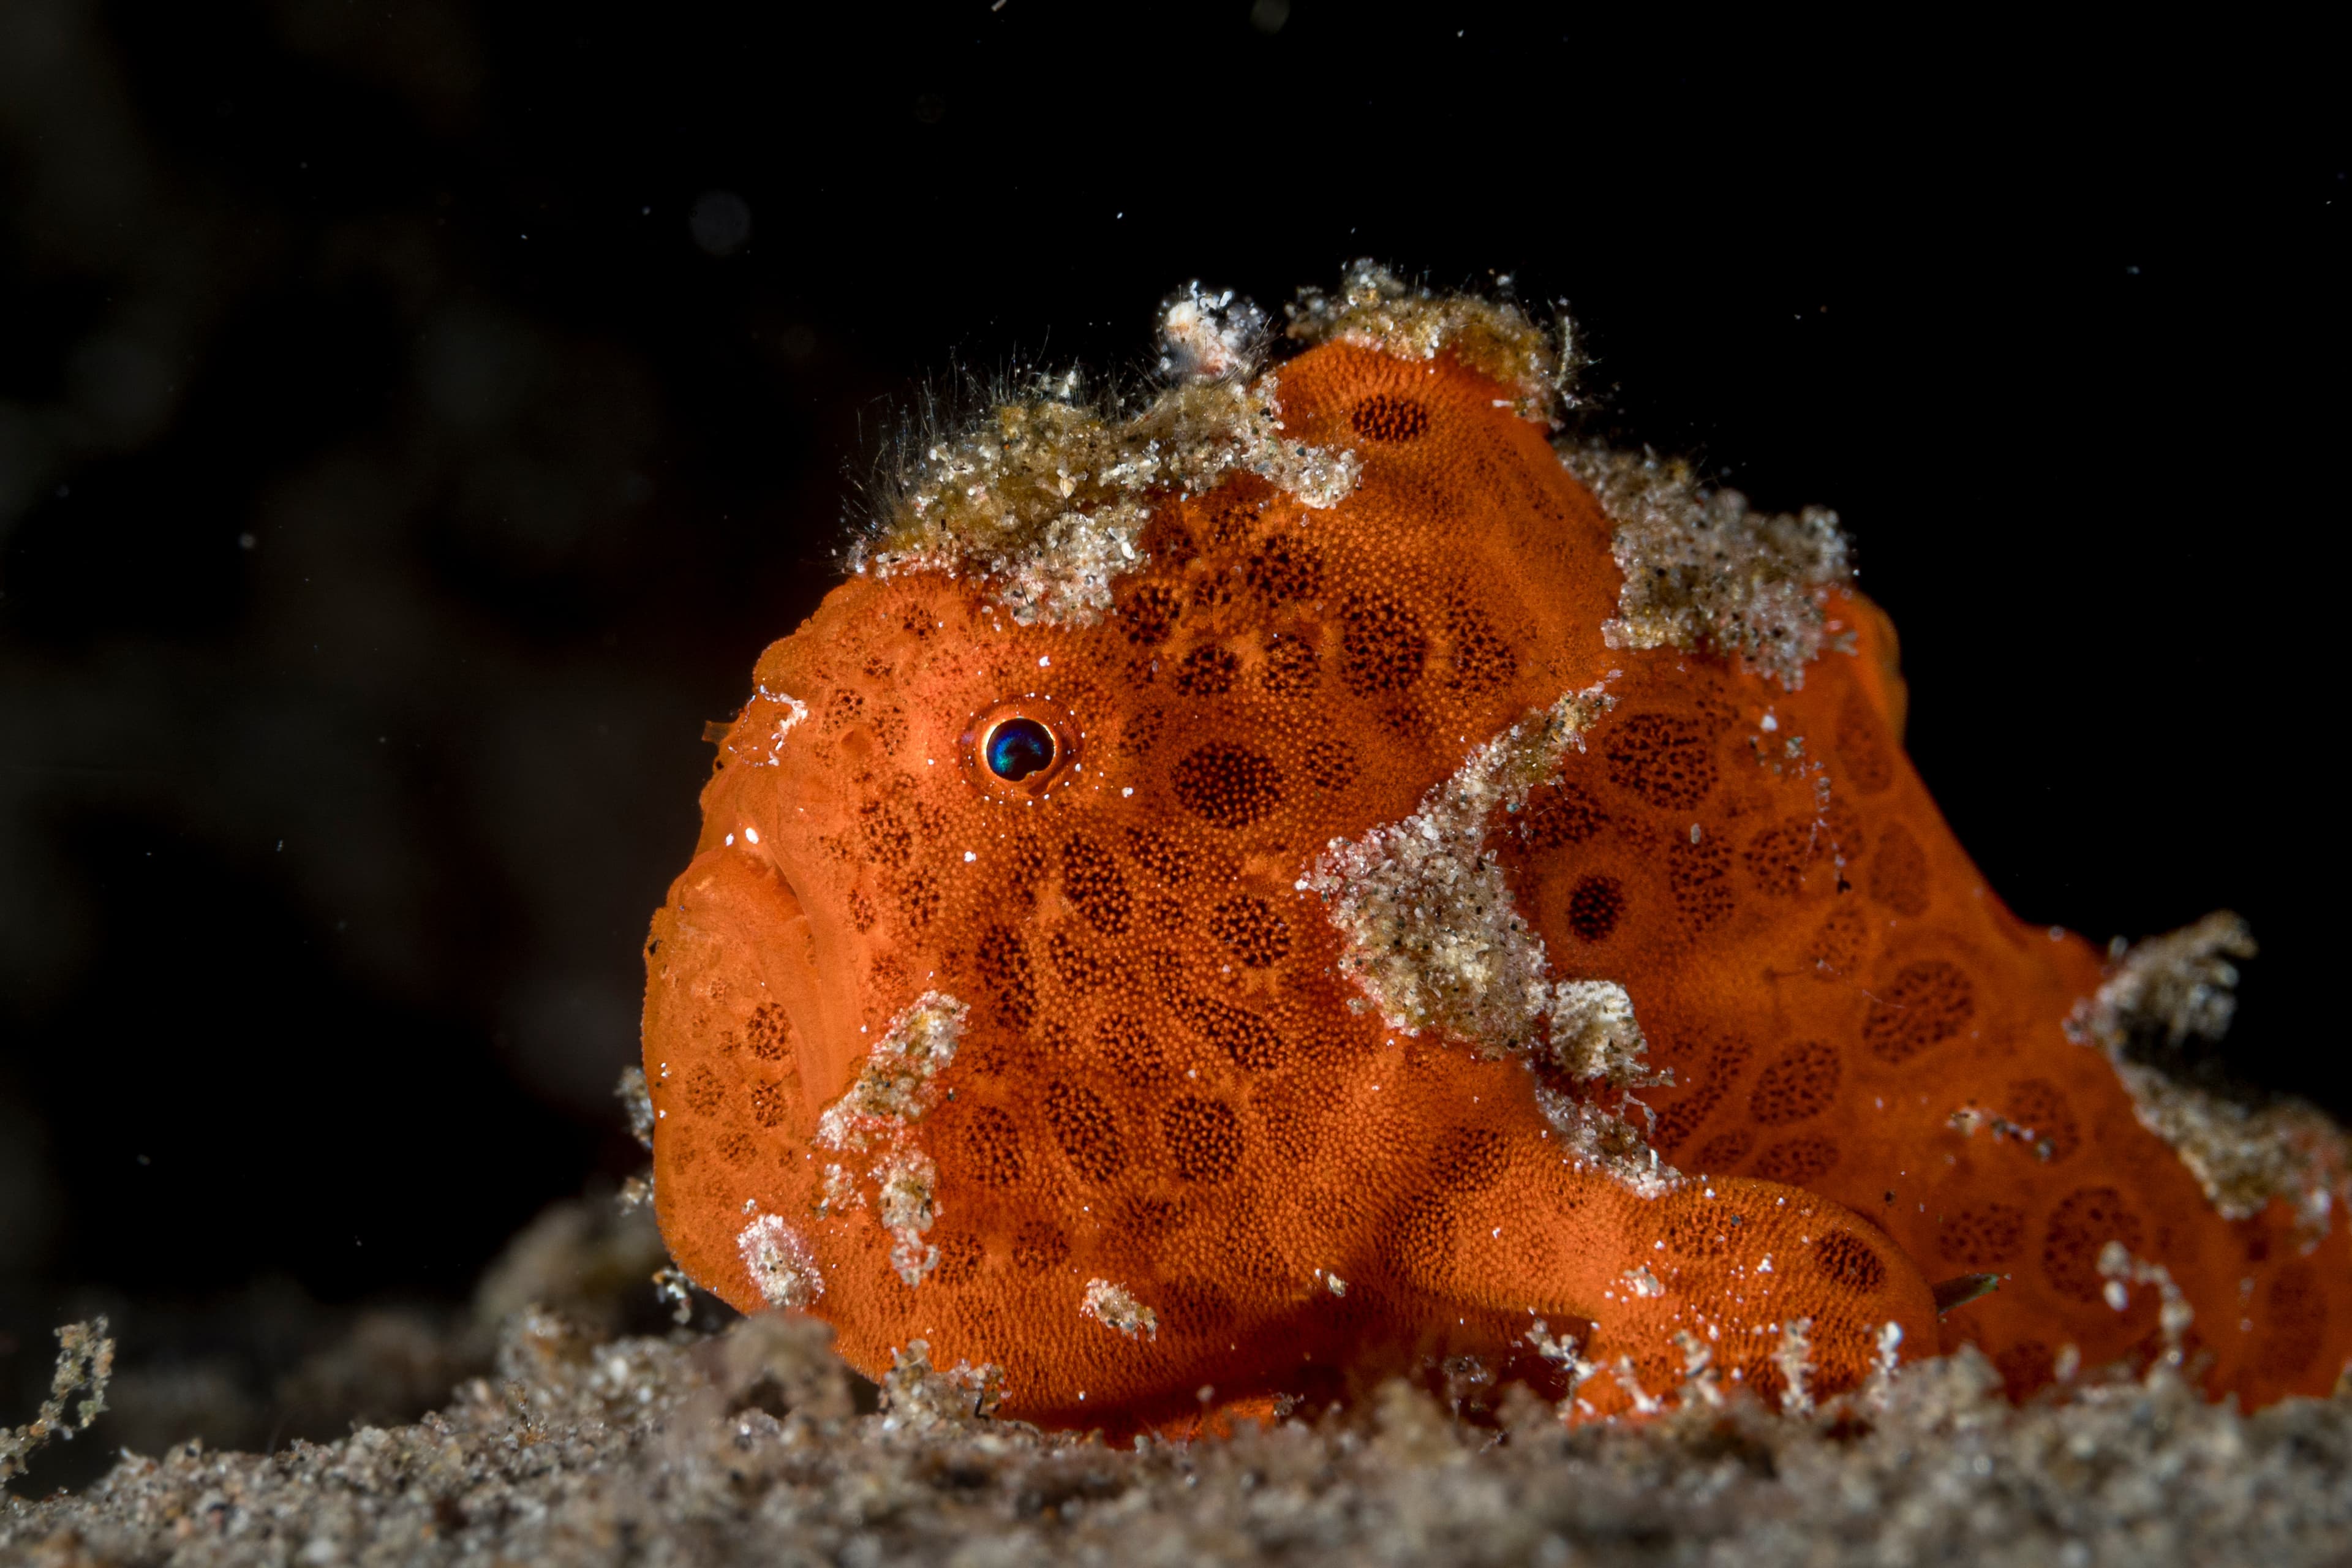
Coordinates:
969 857
731 838
752 834
1770 724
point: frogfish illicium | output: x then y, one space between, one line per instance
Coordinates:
1304 875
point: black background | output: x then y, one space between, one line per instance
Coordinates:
392 483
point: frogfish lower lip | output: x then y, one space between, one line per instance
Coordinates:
734 952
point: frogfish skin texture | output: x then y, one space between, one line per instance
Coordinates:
1404 946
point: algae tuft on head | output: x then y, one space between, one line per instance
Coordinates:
1046 494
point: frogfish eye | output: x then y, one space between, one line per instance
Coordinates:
1016 748
1023 751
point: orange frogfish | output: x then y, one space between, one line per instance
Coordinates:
1296 878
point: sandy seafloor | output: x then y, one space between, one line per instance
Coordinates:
755 1444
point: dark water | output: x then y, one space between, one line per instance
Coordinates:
415 419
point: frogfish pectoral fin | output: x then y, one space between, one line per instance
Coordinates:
1709 1287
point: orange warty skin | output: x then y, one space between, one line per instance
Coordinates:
1165 1084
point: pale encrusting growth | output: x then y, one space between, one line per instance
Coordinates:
908 1183
1435 940
1046 498
877 1113
1705 573
2174 994
779 1262
1594 1035
837 1192
1374 309
895 1087
1115 1306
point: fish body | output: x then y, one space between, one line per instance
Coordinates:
1422 934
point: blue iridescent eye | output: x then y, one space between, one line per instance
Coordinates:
1017 748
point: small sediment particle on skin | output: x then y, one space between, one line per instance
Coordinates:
1560 1351
1792 1357
1643 1403
780 1261
1699 1386
1876 1387
838 1193
1115 1308
1968 1119
907 1185
1705 573
796 713
2122 1269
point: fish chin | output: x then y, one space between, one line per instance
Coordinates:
734 966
